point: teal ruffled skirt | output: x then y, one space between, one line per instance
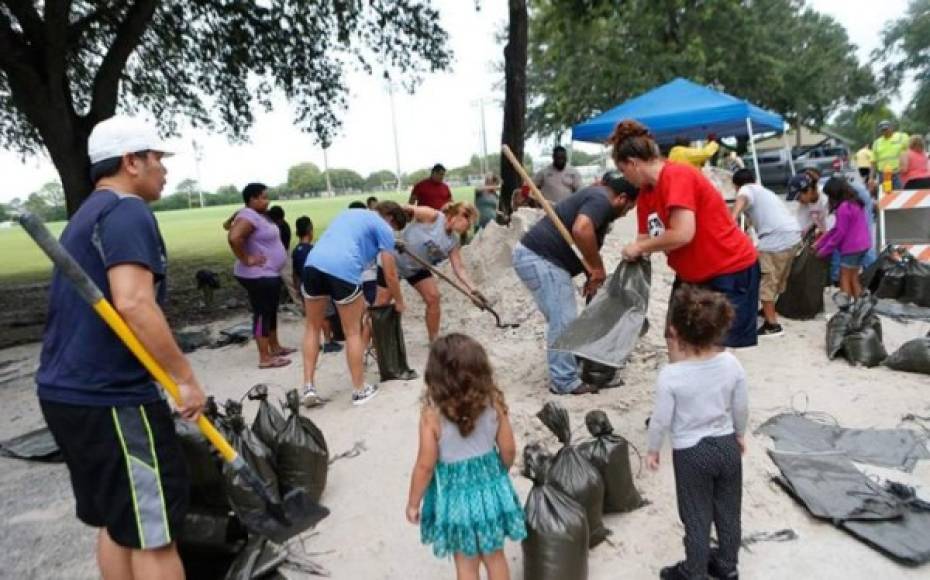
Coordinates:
471 507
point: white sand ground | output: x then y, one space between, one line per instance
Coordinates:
367 537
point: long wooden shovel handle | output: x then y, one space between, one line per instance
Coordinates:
547 207
438 273
93 296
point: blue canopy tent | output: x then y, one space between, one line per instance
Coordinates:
682 108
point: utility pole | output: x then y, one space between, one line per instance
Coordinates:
482 135
329 185
390 87
198 157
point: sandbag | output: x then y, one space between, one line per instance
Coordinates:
917 283
837 327
803 295
892 283
596 374
303 458
862 344
204 466
556 544
387 335
912 357
888 263
609 327
610 455
248 505
268 420
573 474
259 559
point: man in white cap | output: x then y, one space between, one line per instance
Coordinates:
106 413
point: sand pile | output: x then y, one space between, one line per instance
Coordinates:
722 180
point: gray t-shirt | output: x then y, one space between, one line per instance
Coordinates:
556 185
777 229
453 447
697 399
428 241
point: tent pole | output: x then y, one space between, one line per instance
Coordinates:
790 156
752 146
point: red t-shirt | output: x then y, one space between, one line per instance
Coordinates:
718 247
431 193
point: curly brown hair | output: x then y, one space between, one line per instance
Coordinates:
460 381
392 210
701 317
632 140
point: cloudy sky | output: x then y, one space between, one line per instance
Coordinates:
439 123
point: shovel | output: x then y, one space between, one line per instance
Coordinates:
295 512
484 303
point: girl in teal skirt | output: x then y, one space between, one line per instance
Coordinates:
466 448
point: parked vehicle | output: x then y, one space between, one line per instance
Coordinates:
775 172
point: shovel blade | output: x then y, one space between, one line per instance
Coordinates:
300 514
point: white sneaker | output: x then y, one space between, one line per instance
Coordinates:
310 398
367 393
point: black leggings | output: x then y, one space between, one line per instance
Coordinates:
709 486
264 296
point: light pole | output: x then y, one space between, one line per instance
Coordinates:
390 87
198 156
482 135
329 185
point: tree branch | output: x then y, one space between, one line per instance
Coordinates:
56 29
128 36
25 13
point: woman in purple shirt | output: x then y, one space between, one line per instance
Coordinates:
260 256
850 234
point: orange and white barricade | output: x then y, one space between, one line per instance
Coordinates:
904 220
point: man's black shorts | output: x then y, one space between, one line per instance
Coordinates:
127 469
417 277
318 284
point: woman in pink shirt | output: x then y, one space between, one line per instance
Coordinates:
914 164
260 256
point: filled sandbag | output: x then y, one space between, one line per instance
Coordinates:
387 336
556 545
912 357
574 474
609 453
837 327
803 295
862 344
204 467
303 457
248 505
268 420
917 283
885 276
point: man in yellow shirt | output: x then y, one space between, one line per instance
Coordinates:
886 152
864 161
696 156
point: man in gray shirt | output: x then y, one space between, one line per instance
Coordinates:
558 180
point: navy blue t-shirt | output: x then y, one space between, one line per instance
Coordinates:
299 257
83 362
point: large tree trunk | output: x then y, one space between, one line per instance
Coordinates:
68 151
514 131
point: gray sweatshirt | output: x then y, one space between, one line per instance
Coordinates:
697 399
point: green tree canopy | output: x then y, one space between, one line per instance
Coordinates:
65 66
907 52
346 179
587 57
860 123
382 179
305 178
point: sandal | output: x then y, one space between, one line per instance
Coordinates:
285 351
275 363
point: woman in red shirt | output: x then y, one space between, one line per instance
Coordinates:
682 214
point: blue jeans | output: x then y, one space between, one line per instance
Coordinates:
554 294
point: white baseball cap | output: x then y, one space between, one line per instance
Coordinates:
120 135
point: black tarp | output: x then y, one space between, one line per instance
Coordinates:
608 328
895 448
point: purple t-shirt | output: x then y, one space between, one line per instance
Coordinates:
265 240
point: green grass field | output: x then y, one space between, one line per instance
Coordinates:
192 236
